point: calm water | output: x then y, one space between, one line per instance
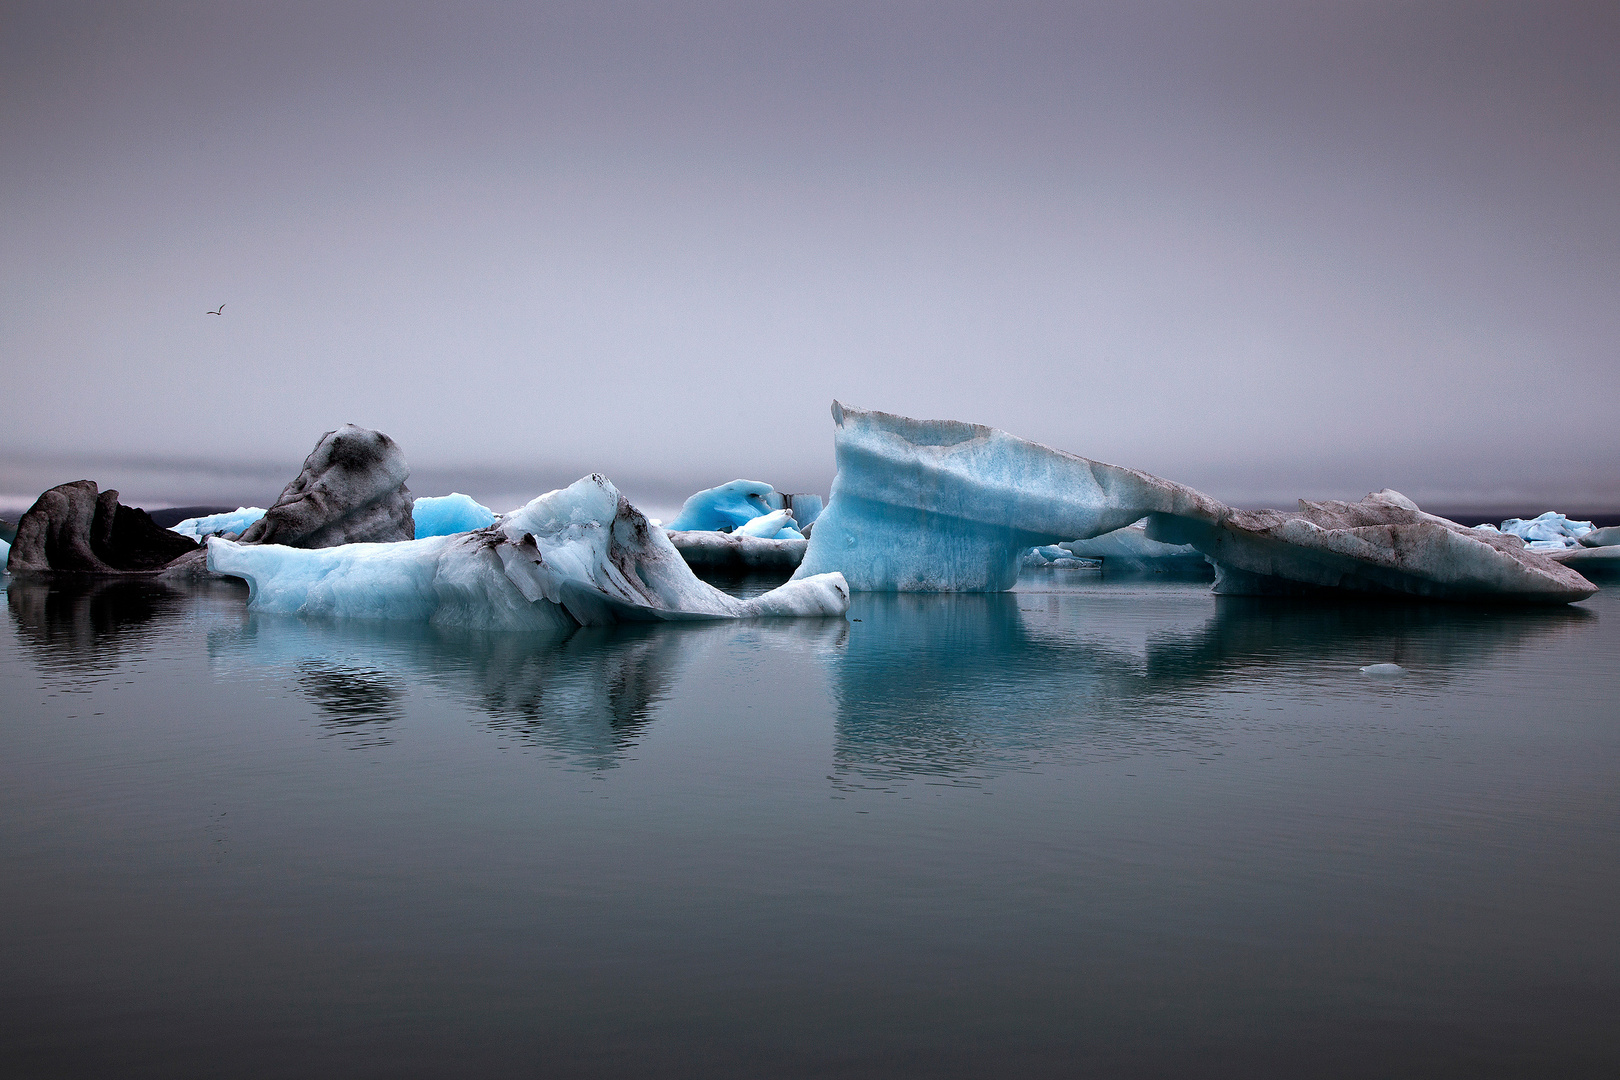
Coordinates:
1083 828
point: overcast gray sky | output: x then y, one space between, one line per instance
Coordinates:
1268 249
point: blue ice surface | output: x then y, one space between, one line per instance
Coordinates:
5 553
740 503
235 521
446 515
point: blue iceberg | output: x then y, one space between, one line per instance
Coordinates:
742 503
579 556
235 521
446 515
945 506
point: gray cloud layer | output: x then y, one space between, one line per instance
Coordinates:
1265 250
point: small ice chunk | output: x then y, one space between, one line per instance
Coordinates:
776 525
1384 670
446 515
235 521
724 508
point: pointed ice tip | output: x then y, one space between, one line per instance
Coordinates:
838 412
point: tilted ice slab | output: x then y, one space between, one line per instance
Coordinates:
234 521
949 506
581 555
446 515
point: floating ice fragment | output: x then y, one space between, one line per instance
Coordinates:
776 525
5 554
1383 670
446 515
233 521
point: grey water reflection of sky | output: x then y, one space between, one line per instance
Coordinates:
1269 249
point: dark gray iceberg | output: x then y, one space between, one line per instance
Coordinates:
78 529
351 490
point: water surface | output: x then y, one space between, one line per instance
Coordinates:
1087 827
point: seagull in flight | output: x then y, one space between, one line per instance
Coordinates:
218 311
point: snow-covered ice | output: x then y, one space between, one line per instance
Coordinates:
581 555
446 515
233 521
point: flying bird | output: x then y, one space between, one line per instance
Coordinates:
219 311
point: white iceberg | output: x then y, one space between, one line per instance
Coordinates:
446 515
234 521
1551 531
5 554
581 555
1385 671
776 525
944 506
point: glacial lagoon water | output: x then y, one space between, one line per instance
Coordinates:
1084 828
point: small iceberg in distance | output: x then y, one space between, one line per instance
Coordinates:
446 515
742 503
1384 671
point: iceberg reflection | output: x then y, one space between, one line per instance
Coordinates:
957 688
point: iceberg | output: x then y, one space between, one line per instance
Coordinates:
1549 532
79 529
350 490
235 522
945 506
446 515
742 503
5 553
579 556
